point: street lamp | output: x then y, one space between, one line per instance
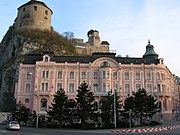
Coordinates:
115 108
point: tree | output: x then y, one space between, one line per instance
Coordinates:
107 109
59 107
85 103
68 35
141 104
21 113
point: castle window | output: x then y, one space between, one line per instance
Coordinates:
35 7
24 9
46 12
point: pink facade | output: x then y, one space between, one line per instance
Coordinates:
38 82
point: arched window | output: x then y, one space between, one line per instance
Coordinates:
105 64
43 104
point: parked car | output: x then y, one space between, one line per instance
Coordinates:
13 125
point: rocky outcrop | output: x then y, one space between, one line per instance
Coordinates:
13 49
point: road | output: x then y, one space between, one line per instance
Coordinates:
42 131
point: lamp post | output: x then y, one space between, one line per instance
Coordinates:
115 108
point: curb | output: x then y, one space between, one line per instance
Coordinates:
147 129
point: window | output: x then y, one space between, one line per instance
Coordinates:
115 87
104 87
138 86
28 76
45 74
137 75
126 75
46 12
158 88
127 88
59 75
59 86
95 75
148 76
35 7
46 58
95 87
108 87
71 75
24 9
163 76
105 64
71 87
149 88
26 100
104 74
44 86
114 75
158 76
28 87
83 75
163 88
43 104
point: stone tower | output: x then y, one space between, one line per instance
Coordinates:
34 14
93 37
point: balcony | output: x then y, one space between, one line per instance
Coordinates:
43 93
162 94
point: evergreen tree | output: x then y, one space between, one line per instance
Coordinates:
142 105
21 113
107 109
85 103
59 107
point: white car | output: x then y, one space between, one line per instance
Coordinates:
13 125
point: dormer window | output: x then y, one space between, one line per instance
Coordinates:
46 58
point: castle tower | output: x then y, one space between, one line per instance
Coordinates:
93 37
34 14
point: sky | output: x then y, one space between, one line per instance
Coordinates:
125 24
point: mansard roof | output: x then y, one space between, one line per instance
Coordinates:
32 58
